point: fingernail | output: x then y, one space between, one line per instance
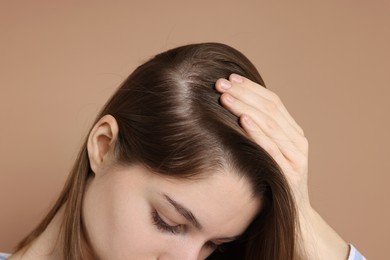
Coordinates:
236 78
225 84
229 98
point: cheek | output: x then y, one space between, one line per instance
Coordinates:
118 222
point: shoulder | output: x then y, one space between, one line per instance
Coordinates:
4 256
354 254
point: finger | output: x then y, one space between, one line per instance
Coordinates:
247 93
259 137
268 125
289 150
272 109
247 89
268 94
293 173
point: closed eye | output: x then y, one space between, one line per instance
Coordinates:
163 226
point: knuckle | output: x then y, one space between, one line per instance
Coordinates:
270 107
274 98
305 144
301 131
271 124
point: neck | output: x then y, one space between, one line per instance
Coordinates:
47 245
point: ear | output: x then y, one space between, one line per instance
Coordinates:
101 143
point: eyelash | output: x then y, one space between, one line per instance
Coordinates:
163 226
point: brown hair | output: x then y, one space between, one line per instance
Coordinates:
170 121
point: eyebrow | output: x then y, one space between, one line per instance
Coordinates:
185 212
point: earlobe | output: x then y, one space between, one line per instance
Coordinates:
101 143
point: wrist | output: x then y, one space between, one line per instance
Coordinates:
316 239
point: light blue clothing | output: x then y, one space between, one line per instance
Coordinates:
353 254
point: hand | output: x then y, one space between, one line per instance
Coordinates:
268 123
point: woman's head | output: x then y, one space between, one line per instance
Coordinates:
165 135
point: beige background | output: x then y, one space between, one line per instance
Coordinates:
329 61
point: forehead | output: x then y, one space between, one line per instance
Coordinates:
222 199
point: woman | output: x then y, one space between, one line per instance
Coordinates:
191 158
